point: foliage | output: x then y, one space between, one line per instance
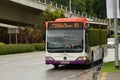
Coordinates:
1 43
20 48
100 8
81 5
92 7
30 34
57 14
119 38
3 35
40 46
49 15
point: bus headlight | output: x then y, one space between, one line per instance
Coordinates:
49 58
82 58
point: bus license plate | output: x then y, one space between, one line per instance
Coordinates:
65 62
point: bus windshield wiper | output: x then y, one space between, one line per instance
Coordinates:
55 50
73 50
65 50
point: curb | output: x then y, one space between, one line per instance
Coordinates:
100 76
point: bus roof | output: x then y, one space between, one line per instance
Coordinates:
83 20
70 20
90 21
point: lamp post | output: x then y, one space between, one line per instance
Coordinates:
70 5
115 34
70 8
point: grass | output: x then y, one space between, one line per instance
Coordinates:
110 67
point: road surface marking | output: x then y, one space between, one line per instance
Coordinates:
103 77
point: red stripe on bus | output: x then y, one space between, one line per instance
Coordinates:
83 20
46 25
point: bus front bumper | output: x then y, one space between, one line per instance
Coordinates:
67 62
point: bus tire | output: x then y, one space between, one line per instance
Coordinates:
102 53
56 66
92 60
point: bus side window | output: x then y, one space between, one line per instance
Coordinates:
86 38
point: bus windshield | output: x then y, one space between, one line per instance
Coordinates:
65 40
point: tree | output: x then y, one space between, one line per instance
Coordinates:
100 8
57 14
79 5
90 7
48 15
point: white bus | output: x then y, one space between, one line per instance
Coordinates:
75 41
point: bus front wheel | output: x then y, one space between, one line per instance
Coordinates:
56 66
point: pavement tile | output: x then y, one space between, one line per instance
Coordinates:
110 76
103 77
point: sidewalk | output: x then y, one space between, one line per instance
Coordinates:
110 75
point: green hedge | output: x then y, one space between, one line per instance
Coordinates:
21 48
119 38
1 43
40 46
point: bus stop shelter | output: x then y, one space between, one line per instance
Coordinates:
11 30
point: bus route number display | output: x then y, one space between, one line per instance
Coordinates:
65 25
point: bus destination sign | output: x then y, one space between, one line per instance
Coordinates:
61 25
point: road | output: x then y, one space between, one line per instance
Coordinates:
31 66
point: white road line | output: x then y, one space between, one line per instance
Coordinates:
11 74
3 62
34 63
72 76
65 79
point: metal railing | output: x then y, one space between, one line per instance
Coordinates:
66 9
